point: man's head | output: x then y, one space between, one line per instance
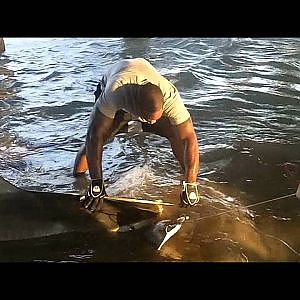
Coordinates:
152 102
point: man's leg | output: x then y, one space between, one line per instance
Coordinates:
80 165
164 128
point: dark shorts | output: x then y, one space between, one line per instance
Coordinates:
162 127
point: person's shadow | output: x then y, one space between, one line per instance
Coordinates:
2 45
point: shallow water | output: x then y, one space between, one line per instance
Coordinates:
244 98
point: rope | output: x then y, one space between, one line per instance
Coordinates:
134 200
234 209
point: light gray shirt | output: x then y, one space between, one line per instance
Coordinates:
121 90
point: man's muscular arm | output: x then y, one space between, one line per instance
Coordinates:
98 132
187 135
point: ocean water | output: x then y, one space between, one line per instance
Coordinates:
244 98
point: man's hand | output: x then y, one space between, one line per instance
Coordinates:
189 195
93 199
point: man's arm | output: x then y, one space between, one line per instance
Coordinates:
97 134
186 133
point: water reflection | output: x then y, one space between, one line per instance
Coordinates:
135 47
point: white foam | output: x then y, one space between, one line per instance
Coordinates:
132 181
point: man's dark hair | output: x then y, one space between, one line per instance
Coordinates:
152 97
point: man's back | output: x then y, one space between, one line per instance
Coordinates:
132 73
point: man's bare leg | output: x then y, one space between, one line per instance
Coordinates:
163 128
80 165
120 125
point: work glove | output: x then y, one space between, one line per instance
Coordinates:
95 193
189 195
